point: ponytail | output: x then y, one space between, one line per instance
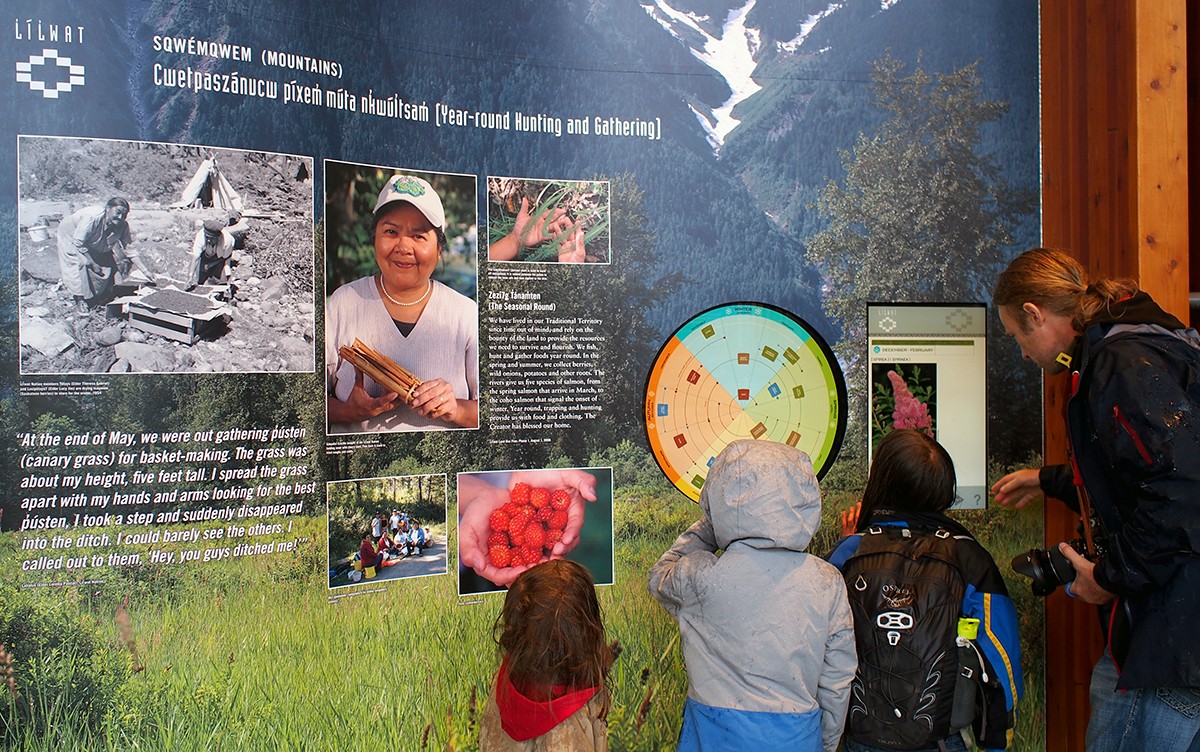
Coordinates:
1056 283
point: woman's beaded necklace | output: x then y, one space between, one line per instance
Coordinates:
386 294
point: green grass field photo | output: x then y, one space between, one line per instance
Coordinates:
258 653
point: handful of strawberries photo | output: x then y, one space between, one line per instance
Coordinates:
525 529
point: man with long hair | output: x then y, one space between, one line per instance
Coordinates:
1133 423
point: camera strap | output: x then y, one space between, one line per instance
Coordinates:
1085 502
1085 516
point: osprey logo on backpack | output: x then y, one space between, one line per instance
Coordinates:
897 596
906 593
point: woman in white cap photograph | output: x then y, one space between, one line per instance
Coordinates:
401 346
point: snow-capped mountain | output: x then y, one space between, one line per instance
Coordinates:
731 47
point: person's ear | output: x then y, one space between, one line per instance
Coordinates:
1033 314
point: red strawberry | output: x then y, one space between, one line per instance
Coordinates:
558 520
519 493
527 555
520 519
499 519
534 536
553 535
539 497
560 499
497 539
501 556
544 514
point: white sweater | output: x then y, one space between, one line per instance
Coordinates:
444 343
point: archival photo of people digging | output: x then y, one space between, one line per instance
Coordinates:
143 257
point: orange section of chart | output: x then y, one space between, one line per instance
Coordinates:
744 370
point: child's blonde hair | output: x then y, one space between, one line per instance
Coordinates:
551 631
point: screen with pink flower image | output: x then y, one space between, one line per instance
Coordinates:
927 370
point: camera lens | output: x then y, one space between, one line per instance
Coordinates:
1032 564
1064 572
1046 568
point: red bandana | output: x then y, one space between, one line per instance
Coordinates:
523 719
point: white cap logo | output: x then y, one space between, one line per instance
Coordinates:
41 81
417 192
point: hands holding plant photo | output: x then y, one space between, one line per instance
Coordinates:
530 231
541 221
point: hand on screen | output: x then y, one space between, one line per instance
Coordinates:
477 499
572 250
849 518
531 230
1018 487
435 399
359 404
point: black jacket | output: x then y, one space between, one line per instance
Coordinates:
1134 428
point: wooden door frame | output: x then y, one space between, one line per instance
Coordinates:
1114 136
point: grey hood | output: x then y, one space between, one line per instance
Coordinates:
766 627
762 494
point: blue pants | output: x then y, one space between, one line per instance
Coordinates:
1138 720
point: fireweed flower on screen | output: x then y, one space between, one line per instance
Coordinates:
910 412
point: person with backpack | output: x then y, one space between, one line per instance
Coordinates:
937 636
766 630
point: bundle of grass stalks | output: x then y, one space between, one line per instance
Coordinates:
386 372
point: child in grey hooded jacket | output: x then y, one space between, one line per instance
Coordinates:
767 631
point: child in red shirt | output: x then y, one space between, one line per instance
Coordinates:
551 690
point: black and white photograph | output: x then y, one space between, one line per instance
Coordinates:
143 257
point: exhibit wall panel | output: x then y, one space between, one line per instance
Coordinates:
286 281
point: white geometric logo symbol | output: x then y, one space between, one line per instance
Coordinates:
25 74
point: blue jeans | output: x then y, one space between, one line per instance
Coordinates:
1140 719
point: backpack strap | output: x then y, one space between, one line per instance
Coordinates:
906 532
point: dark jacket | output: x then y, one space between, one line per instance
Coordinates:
1133 422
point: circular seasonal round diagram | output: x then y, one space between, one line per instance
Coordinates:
740 371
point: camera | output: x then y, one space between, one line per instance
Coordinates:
1047 567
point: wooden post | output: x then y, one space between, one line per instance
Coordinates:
1114 186
1161 153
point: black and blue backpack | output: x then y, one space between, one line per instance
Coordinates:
906 592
